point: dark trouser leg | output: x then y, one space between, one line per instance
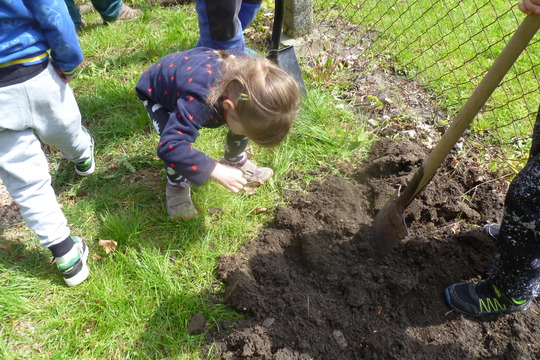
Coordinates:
159 116
74 13
516 265
235 146
108 9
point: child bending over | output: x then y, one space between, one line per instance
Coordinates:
186 91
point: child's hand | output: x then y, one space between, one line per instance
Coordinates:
65 79
230 177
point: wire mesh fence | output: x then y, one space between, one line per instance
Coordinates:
445 47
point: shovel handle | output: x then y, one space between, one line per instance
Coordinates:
466 115
279 9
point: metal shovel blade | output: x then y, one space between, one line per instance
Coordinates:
389 227
286 59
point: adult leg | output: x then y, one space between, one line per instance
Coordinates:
74 13
219 25
248 11
108 9
112 10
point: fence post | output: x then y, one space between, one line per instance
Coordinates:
298 18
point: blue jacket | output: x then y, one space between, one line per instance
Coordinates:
181 82
29 29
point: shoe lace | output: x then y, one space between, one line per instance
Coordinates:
491 299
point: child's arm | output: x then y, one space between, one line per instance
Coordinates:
228 176
59 31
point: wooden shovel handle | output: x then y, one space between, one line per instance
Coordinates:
470 109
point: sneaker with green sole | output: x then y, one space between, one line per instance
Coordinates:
73 265
480 298
87 166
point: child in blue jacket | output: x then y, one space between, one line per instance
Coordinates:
186 91
39 52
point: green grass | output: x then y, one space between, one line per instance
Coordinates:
448 47
139 299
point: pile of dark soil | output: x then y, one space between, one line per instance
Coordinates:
311 286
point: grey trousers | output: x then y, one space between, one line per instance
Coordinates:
43 107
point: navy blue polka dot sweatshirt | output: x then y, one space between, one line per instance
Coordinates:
181 82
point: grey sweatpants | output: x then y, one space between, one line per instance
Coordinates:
46 107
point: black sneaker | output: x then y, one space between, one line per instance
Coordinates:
74 269
87 166
480 298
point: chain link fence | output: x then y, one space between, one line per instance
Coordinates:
444 47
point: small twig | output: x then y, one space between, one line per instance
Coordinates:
486 182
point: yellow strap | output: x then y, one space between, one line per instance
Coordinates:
22 61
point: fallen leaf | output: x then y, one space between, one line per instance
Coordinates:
254 183
249 190
214 210
109 245
96 257
258 210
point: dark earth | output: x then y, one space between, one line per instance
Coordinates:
311 286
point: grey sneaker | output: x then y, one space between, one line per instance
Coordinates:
252 172
127 13
87 166
86 8
492 230
74 270
179 204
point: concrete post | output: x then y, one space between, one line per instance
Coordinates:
298 18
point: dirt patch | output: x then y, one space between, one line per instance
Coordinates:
310 286
9 211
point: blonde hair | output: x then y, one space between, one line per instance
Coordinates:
267 98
